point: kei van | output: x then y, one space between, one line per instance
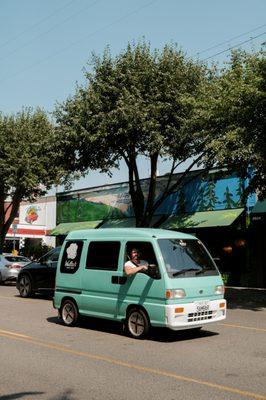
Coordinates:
182 288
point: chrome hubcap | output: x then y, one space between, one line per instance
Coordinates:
68 313
136 324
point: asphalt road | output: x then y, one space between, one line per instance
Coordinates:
42 359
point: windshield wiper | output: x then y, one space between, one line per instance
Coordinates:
200 271
203 270
185 270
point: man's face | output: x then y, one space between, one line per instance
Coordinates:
134 255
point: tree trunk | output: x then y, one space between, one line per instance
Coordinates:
2 240
147 217
135 190
6 222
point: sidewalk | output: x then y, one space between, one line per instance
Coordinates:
247 298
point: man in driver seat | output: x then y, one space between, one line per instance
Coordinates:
135 264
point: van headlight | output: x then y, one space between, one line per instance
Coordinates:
175 294
219 289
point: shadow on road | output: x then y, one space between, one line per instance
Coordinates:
39 296
156 334
14 396
168 336
8 283
66 395
245 298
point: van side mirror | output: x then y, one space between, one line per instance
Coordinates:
153 271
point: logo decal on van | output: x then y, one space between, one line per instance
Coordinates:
71 257
72 251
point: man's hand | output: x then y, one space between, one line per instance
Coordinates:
145 267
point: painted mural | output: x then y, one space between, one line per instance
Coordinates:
215 192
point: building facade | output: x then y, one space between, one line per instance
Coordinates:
210 207
33 224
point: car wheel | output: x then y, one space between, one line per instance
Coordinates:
25 286
1 280
137 323
69 313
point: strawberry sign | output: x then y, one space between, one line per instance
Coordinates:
31 214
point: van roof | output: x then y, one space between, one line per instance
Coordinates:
138 233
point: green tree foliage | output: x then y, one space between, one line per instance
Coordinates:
30 156
140 103
237 110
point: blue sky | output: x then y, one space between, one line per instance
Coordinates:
45 44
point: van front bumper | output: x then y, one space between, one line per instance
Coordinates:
194 314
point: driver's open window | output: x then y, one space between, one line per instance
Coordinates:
145 249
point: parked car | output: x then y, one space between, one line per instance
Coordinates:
10 266
39 276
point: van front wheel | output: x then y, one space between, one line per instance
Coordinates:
69 313
137 323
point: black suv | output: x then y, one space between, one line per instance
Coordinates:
39 276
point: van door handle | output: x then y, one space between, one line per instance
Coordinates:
119 280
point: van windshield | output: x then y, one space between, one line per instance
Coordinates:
186 258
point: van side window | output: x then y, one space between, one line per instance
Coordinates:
103 255
71 257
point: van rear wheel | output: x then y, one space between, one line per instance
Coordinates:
137 323
69 313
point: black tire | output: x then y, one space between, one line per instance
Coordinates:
137 323
69 313
25 286
1 281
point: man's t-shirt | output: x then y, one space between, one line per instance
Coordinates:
134 265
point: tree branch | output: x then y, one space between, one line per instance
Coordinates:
182 177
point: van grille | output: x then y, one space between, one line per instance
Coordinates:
200 316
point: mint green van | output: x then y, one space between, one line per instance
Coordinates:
182 288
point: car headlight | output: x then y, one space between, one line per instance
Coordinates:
175 294
219 289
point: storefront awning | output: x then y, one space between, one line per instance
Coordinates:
65 228
203 219
126 222
259 208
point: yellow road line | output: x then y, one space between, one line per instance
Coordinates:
168 374
16 335
244 327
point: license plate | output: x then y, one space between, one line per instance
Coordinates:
202 306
